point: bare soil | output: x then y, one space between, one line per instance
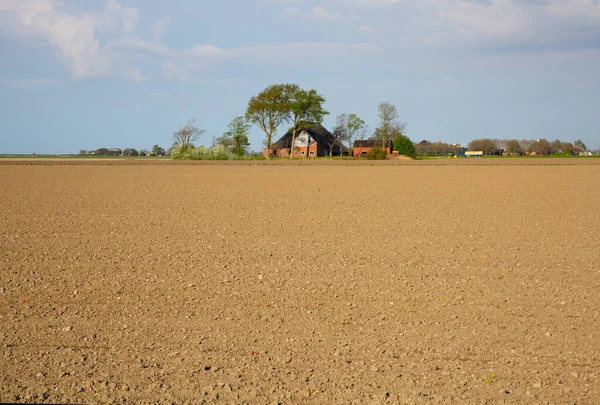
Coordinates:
283 283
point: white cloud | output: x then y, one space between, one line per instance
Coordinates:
187 64
159 28
127 15
516 21
378 3
317 12
367 29
73 35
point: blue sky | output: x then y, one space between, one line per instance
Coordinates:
84 74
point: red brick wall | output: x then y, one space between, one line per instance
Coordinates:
358 152
297 151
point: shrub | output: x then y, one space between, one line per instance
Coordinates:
377 153
203 153
404 146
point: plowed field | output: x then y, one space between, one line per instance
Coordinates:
300 283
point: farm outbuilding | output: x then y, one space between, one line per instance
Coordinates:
366 146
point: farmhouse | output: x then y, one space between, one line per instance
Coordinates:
311 141
366 146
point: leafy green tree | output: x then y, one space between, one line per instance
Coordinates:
236 139
348 127
579 144
355 129
404 145
158 151
305 107
270 108
567 148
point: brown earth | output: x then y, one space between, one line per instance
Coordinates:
300 284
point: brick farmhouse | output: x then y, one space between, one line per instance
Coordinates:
313 140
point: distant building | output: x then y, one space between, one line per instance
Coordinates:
366 146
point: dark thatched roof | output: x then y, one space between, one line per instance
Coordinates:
369 143
317 131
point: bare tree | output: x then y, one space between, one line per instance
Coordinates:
341 129
557 147
388 121
526 144
486 145
541 147
513 147
187 135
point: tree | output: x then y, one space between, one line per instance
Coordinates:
130 152
487 146
158 151
349 127
341 129
187 135
306 106
226 140
541 147
567 148
404 145
270 108
423 148
236 139
389 126
513 147
579 144
338 135
355 129
397 129
557 146
526 145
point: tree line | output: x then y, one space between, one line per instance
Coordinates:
510 147
514 147
155 151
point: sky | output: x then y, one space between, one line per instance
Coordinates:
85 74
